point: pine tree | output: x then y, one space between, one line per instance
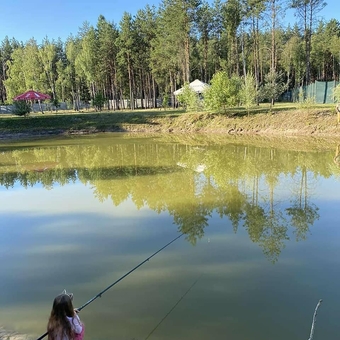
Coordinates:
306 11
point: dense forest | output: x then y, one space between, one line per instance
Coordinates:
153 53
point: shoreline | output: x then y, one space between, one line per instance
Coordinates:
304 123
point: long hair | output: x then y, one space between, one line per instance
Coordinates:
58 323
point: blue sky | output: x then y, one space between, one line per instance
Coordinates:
23 19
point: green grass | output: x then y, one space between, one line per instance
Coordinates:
37 122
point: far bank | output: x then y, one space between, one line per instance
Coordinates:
281 121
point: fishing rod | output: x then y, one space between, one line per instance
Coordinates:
121 278
173 307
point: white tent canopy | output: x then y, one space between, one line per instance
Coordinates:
197 85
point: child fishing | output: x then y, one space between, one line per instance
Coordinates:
64 323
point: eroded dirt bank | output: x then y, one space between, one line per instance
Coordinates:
322 123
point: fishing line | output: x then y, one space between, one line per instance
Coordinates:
176 304
124 276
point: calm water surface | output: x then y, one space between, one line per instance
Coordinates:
261 244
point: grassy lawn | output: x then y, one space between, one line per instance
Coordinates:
68 121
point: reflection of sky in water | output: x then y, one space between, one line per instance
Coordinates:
65 238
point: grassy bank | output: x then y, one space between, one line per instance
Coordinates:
284 119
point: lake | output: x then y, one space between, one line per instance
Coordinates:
260 243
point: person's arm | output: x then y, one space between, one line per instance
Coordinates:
76 324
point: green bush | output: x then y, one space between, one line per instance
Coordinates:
223 93
55 103
165 101
273 87
189 99
304 102
98 101
248 92
21 108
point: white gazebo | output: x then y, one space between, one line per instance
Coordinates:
197 85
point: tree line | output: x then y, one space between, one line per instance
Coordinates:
153 53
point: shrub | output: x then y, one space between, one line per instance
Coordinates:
165 101
189 99
98 101
273 87
223 93
305 102
248 92
21 108
55 103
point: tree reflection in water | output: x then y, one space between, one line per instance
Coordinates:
190 181
302 213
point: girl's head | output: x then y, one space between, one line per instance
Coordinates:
58 324
62 306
